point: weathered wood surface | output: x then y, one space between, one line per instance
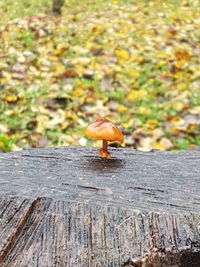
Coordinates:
67 207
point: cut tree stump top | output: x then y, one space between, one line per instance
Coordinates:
67 207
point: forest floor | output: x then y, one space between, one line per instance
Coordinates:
137 63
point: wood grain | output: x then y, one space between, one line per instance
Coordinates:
67 207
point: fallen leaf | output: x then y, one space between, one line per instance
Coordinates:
137 95
12 98
195 110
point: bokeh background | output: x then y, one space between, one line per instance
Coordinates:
137 63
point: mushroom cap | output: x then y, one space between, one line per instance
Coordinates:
103 129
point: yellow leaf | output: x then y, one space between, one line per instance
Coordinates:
122 54
144 111
157 145
17 136
42 121
134 73
176 105
115 2
2 144
89 44
78 92
182 86
72 116
132 122
80 69
59 51
5 80
177 121
162 63
58 69
11 99
139 59
122 108
137 95
151 124
97 29
5 35
163 55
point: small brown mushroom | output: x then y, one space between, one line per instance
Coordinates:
104 130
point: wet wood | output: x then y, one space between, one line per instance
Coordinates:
67 207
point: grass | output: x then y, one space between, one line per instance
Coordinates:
10 10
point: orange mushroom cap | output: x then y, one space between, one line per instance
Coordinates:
103 129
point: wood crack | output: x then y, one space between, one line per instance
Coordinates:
14 237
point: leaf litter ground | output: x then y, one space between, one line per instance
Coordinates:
135 63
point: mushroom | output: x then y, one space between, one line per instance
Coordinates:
104 130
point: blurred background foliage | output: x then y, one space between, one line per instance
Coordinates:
136 63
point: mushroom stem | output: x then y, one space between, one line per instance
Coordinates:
104 150
105 145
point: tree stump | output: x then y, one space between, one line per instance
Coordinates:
56 6
67 207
